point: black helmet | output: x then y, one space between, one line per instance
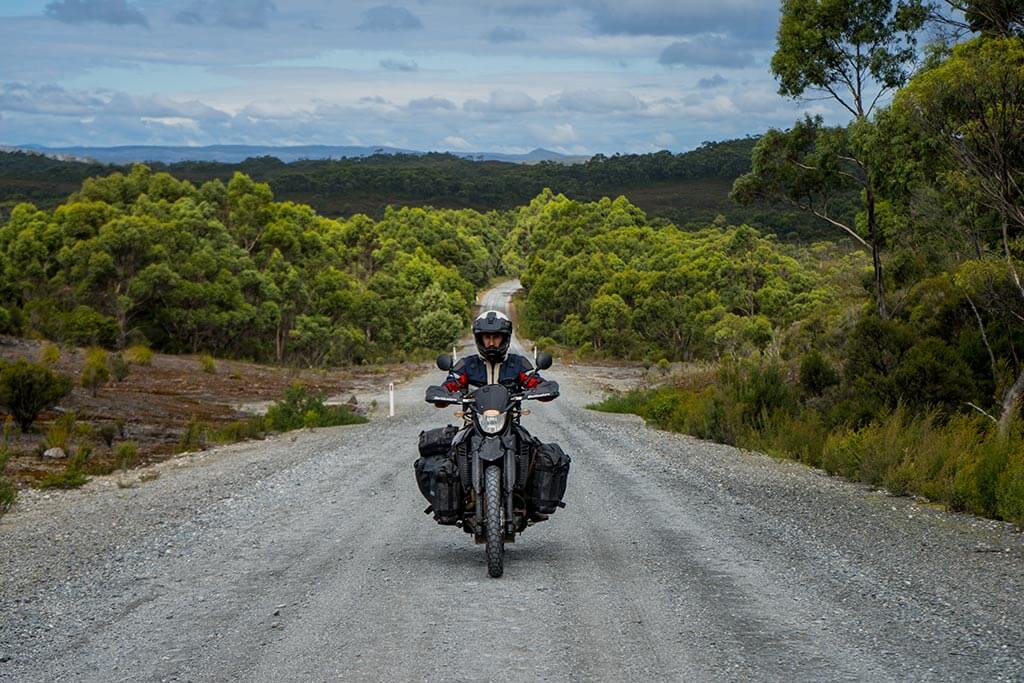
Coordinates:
492 322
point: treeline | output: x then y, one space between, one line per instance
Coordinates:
603 279
915 383
689 189
224 269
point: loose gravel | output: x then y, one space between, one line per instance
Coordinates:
307 557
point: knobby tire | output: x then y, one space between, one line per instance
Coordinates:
494 514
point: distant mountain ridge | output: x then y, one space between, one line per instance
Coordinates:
234 154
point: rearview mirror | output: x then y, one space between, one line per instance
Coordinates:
444 362
543 360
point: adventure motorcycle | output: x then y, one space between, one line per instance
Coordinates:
504 479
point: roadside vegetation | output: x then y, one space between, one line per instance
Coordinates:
912 381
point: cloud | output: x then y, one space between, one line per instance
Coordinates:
456 143
51 99
664 140
502 102
389 18
399 65
241 14
431 103
594 101
116 12
538 8
714 82
706 51
506 34
673 18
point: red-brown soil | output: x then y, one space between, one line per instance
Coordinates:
157 402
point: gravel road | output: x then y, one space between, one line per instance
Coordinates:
307 557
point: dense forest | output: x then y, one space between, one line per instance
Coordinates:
689 189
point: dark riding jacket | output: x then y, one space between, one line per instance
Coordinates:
474 371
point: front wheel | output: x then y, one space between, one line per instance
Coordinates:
494 513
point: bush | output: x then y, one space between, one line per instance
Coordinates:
8 491
85 326
301 407
108 432
139 355
207 364
119 367
126 454
49 354
59 433
73 474
799 437
933 374
758 388
241 430
195 436
26 389
95 373
816 374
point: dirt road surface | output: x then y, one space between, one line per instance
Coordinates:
307 557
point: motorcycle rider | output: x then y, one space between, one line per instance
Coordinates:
493 364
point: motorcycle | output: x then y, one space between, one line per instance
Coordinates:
493 455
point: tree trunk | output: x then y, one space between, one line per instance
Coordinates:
1010 401
876 258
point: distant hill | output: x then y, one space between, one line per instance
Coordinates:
689 189
234 154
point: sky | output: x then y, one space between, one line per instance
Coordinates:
573 76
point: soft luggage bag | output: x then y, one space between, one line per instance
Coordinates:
437 441
549 478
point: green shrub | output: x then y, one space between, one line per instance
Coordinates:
60 431
207 364
301 407
86 326
8 491
108 432
49 354
627 402
799 437
194 438
26 389
816 374
241 430
139 355
933 374
72 476
126 454
757 387
119 367
1010 488
95 373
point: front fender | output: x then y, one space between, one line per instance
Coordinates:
491 449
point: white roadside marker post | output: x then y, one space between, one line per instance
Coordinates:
391 399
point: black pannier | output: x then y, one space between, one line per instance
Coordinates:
548 479
437 441
437 475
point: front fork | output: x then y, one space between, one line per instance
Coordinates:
493 451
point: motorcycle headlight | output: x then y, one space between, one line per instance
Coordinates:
492 421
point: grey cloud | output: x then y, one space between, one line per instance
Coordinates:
399 65
389 18
714 82
431 103
750 18
502 102
116 12
541 8
706 51
242 14
594 101
57 101
506 34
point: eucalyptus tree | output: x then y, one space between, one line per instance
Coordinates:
853 52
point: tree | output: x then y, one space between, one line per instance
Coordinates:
853 51
972 105
998 18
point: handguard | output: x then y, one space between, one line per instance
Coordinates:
545 391
438 394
